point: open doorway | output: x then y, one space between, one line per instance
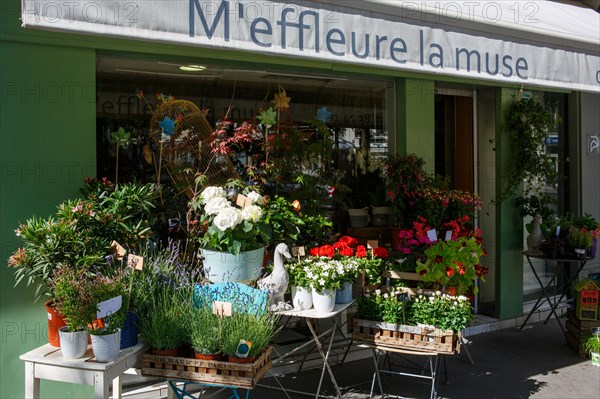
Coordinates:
454 138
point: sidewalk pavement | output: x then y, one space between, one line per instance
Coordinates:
535 362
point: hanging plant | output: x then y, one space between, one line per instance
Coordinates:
527 123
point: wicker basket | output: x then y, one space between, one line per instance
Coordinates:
228 374
412 338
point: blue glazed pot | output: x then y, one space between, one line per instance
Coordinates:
129 332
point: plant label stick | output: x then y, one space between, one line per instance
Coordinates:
241 201
448 235
221 308
109 307
135 261
118 250
432 235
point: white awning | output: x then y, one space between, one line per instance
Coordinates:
534 43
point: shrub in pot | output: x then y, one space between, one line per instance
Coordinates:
106 333
73 298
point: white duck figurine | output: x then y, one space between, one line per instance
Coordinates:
276 283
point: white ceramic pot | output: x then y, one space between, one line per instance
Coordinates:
345 294
73 345
302 298
323 302
225 266
106 347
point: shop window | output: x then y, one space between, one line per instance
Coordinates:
342 151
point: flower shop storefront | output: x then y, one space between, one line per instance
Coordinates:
339 113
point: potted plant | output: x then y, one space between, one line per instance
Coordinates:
581 239
73 299
106 332
300 284
592 346
439 310
232 238
206 333
588 222
453 263
246 335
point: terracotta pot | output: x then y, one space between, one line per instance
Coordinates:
215 356
233 359
55 322
165 352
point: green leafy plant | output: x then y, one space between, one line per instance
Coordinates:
593 344
102 289
256 328
533 205
386 304
73 297
453 263
80 232
527 123
121 139
441 310
580 238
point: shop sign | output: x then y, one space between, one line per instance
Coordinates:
324 31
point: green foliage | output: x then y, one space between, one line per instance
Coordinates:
73 297
379 305
580 238
453 263
593 344
586 221
80 233
527 123
121 137
164 323
205 333
285 222
256 328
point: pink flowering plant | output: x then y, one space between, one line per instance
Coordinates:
220 225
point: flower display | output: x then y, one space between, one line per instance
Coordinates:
440 310
453 263
219 225
382 305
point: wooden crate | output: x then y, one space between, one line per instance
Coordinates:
238 375
397 336
577 331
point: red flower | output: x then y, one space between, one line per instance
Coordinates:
361 251
449 271
314 251
380 252
327 250
348 241
346 252
438 259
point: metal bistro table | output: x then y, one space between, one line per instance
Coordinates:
562 266
47 362
309 315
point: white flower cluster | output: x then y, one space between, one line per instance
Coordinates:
228 216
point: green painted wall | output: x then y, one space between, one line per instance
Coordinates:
509 225
47 148
415 122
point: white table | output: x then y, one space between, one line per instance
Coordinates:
47 362
308 316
